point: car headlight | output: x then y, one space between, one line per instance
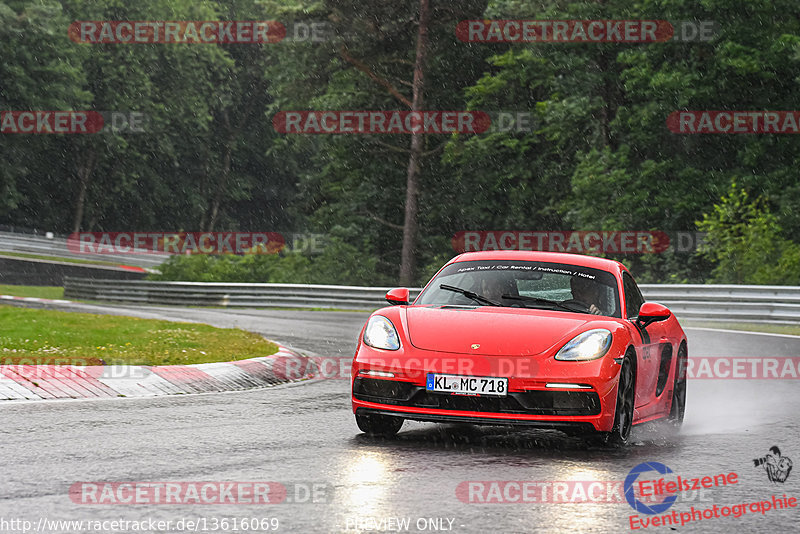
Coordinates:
381 334
589 345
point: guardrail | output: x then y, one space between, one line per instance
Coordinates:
229 294
56 247
731 303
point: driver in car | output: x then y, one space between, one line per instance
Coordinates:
494 287
586 292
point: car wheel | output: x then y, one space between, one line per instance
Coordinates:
623 414
379 425
679 390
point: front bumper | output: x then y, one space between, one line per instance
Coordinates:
573 426
529 401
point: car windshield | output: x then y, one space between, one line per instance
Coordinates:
527 284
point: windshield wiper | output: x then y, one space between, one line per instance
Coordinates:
469 294
546 302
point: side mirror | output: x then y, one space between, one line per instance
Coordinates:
652 312
398 296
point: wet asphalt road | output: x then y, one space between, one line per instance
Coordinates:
303 436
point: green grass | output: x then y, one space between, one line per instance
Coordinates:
752 327
56 258
29 336
42 292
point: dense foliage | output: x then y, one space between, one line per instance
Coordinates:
598 157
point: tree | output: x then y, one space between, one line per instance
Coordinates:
353 183
40 70
407 260
744 242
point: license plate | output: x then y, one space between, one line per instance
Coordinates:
467 385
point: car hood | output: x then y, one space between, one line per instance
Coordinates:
496 331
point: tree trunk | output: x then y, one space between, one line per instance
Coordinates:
407 260
230 144
221 185
84 172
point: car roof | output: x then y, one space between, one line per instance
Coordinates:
581 260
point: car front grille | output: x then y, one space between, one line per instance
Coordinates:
568 403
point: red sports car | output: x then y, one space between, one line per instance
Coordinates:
551 340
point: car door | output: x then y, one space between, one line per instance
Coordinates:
647 372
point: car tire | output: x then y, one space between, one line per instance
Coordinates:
623 412
379 425
678 409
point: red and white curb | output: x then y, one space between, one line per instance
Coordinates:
40 382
